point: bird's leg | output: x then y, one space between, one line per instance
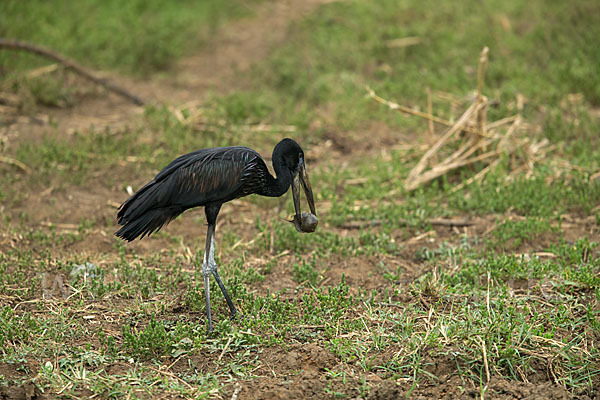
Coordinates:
213 268
210 266
206 274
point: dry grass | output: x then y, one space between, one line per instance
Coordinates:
471 139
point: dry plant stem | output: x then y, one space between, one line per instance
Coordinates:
442 169
410 111
16 163
485 360
430 112
461 152
404 109
481 68
46 69
502 121
516 122
484 142
477 176
510 131
567 165
412 182
14 44
236 391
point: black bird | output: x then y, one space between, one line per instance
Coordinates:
209 178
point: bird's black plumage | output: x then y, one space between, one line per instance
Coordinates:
209 178
195 179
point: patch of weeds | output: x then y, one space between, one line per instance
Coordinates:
194 296
108 342
145 277
323 242
326 303
445 251
377 243
17 329
119 34
77 156
517 231
53 92
247 275
532 197
159 338
305 272
243 107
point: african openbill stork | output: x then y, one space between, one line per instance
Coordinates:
209 178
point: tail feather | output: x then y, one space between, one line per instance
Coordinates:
147 223
152 195
147 211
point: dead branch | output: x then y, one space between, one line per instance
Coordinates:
16 163
407 110
14 44
360 224
410 182
477 176
450 222
471 139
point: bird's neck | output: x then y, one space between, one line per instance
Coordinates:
277 186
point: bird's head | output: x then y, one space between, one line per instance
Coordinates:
293 159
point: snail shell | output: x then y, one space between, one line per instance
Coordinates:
306 223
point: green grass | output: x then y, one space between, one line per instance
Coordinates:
520 295
332 54
474 306
135 37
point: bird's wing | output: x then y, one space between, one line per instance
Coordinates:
216 176
196 179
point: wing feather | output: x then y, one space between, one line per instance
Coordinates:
196 179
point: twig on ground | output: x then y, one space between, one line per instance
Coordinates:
224 349
236 391
430 112
14 44
450 222
360 224
485 360
419 237
16 163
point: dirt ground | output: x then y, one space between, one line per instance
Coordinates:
214 69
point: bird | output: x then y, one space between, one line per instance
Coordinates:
209 178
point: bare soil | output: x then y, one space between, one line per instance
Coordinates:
297 371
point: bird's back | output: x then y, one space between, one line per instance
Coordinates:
199 178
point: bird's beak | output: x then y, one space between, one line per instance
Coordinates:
302 177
